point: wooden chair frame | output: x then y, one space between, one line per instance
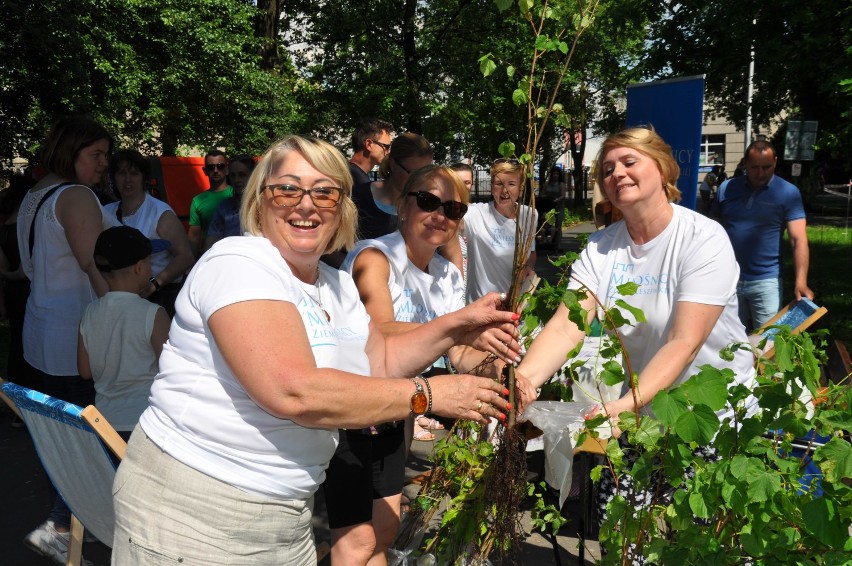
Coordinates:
108 436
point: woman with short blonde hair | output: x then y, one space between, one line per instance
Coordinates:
269 354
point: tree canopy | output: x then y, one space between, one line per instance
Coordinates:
802 54
161 74
169 76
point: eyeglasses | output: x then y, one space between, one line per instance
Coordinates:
509 160
427 202
291 195
384 146
214 166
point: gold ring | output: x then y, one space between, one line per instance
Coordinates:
479 407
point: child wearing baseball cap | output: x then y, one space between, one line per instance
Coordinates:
121 334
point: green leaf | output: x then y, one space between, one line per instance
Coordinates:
783 352
542 43
762 483
669 405
820 518
636 312
487 66
627 289
504 5
734 496
835 460
698 505
612 373
709 387
698 425
519 97
510 71
739 467
506 149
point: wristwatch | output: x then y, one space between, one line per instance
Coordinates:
419 401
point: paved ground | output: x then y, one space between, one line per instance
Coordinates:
25 501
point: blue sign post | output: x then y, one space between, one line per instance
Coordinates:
675 108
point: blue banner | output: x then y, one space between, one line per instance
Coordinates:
675 107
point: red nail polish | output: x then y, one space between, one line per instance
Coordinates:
515 316
509 406
505 392
502 417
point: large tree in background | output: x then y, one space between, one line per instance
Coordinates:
160 74
418 66
411 63
802 54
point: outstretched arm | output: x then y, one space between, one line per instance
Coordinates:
797 230
693 323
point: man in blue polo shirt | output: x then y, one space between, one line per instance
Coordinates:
755 209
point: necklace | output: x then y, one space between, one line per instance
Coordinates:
316 299
135 210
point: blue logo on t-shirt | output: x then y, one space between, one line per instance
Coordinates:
649 283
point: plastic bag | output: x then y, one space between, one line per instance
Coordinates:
560 422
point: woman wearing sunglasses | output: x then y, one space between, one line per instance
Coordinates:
490 232
269 355
403 284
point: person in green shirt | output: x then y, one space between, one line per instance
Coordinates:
204 204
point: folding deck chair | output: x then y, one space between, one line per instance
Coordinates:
73 445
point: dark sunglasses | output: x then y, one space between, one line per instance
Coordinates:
384 146
214 166
427 202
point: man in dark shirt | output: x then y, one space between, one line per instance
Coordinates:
370 144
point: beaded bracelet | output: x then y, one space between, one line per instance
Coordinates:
428 394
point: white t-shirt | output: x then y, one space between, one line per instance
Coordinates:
417 296
199 412
691 260
491 247
145 220
116 330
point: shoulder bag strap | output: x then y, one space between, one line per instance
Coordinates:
35 215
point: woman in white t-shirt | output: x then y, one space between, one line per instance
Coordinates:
685 268
267 357
490 232
131 173
404 284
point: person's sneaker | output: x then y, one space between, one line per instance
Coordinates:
47 541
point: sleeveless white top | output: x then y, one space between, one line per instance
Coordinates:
145 220
60 290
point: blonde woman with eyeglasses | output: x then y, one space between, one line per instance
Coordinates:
270 353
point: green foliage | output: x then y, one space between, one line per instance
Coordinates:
545 516
800 62
160 75
756 503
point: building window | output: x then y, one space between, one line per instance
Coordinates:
712 149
